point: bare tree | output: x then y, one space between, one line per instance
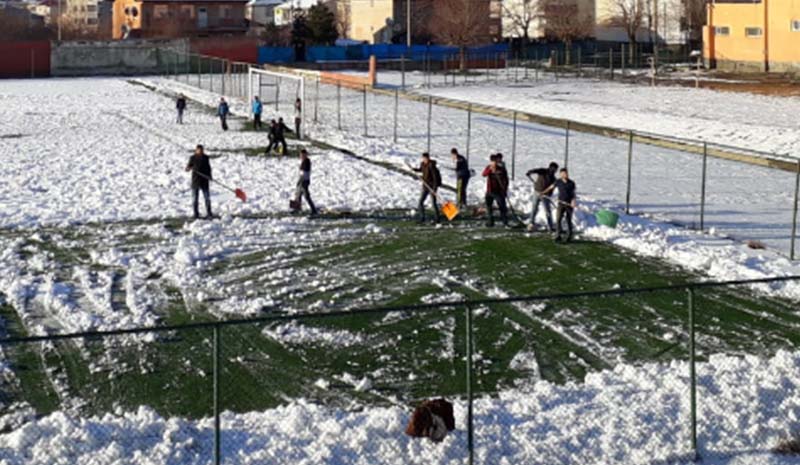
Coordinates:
522 14
462 23
564 22
629 15
343 13
694 18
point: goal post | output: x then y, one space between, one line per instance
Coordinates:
272 86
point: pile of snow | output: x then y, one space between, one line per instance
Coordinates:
299 334
629 415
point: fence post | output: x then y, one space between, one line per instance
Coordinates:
199 71
316 100
366 132
339 105
469 128
216 367
396 105
470 428
622 59
703 188
224 74
277 95
580 62
566 146
33 63
211 74
403 70
430 111
692 378
794 219
611 62
514 148
630 168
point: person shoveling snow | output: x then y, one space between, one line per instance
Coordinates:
303 184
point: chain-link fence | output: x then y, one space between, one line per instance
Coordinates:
661 375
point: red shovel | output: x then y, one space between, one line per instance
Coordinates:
238 192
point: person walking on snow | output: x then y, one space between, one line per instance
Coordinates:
545 178
222 111
462 177
566 203
298 116
200 166
304 182
496 190
258 108
431 181
180 104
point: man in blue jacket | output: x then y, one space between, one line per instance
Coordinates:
222 112
258 108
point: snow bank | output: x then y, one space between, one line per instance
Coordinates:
629 415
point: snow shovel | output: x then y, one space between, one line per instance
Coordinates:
240 194
448 208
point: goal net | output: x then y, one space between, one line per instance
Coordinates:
278 93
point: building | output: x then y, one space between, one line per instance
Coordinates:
178 18
261 13
386 21
760 35
663 21
284 13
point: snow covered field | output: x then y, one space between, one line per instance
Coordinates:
631 415
110 152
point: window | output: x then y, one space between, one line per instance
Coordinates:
91 21
187 11
91 8
795 27
752 32
160 11
225 12
722 31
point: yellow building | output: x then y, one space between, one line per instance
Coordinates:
756 35
368 20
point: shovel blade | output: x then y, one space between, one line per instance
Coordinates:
450 210
241 195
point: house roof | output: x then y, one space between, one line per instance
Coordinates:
298 3
195 1
265 2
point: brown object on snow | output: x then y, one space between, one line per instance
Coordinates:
432 419
756 245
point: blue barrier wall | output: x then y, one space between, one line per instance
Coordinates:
381 52
275 55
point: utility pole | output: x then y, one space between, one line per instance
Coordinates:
58 20
408 23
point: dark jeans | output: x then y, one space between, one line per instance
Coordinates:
195 198
501 205
564 212
303 192
274 145
422 198
224 120
461 191
180 116
257 121
297 122
547 203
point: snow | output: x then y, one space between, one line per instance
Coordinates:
628 415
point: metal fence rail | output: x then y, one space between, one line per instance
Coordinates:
238 366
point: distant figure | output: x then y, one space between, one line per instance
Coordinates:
304 182
496 189
258 108
180 104
431 181
542 187
566 204
200 166
462 177
277 135
298 117
222 111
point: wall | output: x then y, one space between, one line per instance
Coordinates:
22 59
128 57
736 51
369 18
784 44
244 49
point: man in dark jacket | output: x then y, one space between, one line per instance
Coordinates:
304 182
545 178
222 111
200 166
431 180
566 203
180 104
277 135
462 177
496 190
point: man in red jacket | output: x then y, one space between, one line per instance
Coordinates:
496 190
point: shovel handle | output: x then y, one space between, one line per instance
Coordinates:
213 180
